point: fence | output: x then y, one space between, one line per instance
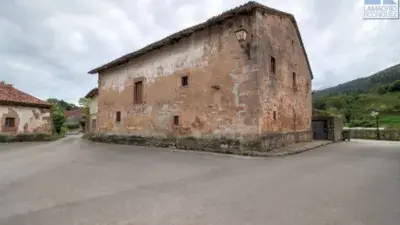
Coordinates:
389 135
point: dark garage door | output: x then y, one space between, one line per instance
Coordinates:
320 129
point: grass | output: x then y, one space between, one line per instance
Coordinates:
390 120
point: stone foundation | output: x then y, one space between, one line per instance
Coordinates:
223 145
277 140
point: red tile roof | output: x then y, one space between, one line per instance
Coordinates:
74 112
11 96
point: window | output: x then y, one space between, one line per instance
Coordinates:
94 124
138 92
184 81
10 122
294 84
273 65
176 120
274 115
118 117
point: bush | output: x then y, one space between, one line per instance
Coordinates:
5 138
73 126
88 136
58 119
28 137
64 130
362 123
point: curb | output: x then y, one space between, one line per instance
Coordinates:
239 153
299 151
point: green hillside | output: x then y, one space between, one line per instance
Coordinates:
385 76
355 100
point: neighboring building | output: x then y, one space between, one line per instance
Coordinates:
327 128
76 117
241 75
23 113
93 108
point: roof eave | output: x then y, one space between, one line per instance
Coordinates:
26 104
248 7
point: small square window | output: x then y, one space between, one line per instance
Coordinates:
176 120
118 117
9 122
184 81
274 115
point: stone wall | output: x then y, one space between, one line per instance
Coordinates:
221 145
230 96
27 120
273 141
221 99
337 129
286 102
389 135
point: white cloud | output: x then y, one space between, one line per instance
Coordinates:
56 42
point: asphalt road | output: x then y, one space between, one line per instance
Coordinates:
75 182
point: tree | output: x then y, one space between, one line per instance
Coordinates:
85 104
319 103
61 104
58 118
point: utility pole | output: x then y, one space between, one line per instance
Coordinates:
377 127
376 114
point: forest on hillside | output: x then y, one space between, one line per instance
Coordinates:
364 84
355 100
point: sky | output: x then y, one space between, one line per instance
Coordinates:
48 46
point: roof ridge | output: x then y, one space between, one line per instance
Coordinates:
248 6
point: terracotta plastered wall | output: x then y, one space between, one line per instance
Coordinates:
27 119
284 110
93 109
222 98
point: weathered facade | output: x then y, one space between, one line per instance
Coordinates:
205 84
93 109
22 113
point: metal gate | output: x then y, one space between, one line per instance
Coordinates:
320 129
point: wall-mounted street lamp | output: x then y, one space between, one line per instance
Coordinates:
242 37
376 115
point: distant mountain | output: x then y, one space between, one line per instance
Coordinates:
365 84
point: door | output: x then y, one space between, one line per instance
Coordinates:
320 129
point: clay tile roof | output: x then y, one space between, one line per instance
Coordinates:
245 8
74 112
11 96
92 93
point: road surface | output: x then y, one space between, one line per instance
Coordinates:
72 181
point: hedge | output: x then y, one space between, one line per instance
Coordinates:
28 137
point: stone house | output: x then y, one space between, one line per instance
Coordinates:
76 118
23 113
93 108
242 75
